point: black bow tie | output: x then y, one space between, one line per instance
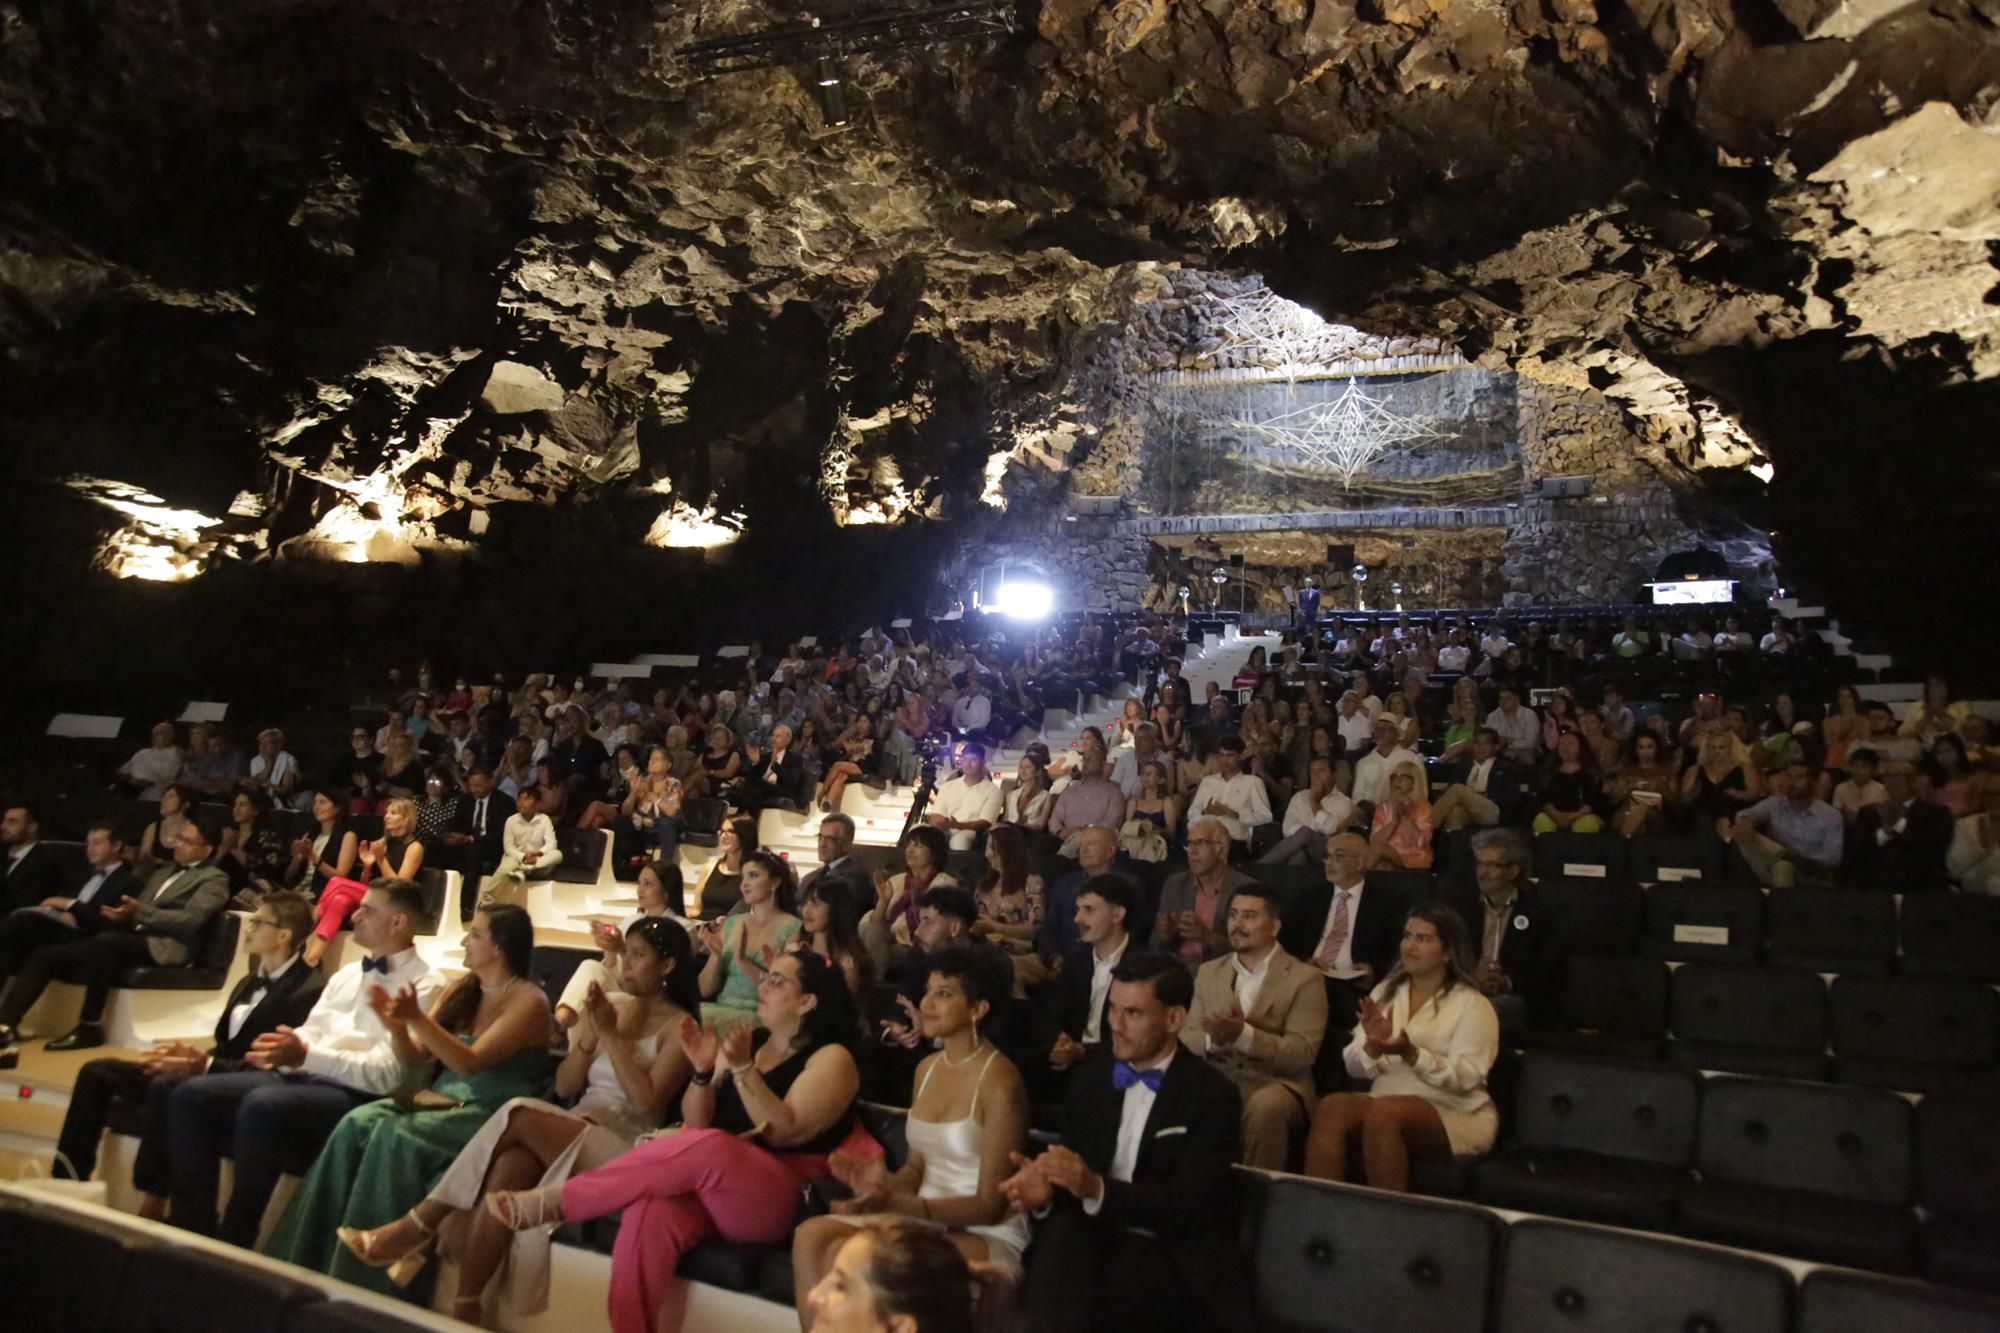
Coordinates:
375 965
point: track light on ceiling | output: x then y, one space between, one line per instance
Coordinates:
829 76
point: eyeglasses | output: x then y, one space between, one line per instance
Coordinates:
775 978
256 921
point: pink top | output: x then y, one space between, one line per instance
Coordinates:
1412 838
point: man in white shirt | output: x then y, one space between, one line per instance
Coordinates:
1372 770
973 713
1494 642
1259 1015
1315 814
967 804
151 769
1131 1232
1085 984
1973 859
1364 689
1520 729
528 847
276 1117
1238 799
1356 728
1454 656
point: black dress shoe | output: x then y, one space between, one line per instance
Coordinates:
86 1036
10 1057
8 1036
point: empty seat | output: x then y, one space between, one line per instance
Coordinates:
207 970
1958 1183
1604 917
1916 1034
1831 1301
1951 935
1584 1279
583 852
1595 1139
46 1252
1579 856
164 1283
1703 922
1748 1020
1852 931
1408 886
431 882
1657 857
1805 1169
701 820
1338 1258
1610 1006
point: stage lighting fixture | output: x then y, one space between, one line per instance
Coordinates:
1359 573
1025 600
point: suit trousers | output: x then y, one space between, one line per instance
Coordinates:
270 1122
93 961
23 932
1085 1276
478 860
120 1095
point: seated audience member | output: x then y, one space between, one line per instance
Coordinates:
273 1117
214 766
1010 912
273 770
1127 769
1571 793
1372 770
624 1067
1132 1227
1901 843
829 925
794 1082
1194 903
1890 745
253 853
892 922
719 891
1483 789
1520 959
1347 930
163 925
1082 985
1791 835
834 844
851 756
33 873
1090 799
478 834
893 1277
488 1034
62 918
651 808
968 1118
947 917
1719 785
1096 854
1028 803
1401 827
1314 815
1645 794
1520 730
1619 722
1859 789
1955 784
968 802
1936 714
1258 1016
1235 798
329 852
151 769
156 843
773 778
279 990
717 766
397 854
1973 860
1427 1037
740 947
528 846
660 894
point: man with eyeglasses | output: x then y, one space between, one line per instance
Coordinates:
1520 961
361 758
1194 903
131 1095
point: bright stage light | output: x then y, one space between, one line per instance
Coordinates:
1025 600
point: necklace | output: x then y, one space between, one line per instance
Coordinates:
949 1063
487 993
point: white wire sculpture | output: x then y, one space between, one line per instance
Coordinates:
1343 434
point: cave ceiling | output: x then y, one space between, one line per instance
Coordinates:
354 278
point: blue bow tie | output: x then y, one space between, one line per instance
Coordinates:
1124 1076
376 965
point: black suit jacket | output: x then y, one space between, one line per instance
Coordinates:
119 885
1072 996
288 1001
499 808
36 876
1530 954
1377 928
1510 786
1192 1136
1914 858
791 775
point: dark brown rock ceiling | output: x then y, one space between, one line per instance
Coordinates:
383 272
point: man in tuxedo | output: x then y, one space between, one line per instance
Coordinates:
65 917
275 1116
32 872
1259 1015
1902 841
476 834
773 778
1486 789
1352 933
1521 963
1134 1229
132 1095
161 927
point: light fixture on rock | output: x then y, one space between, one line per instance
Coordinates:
832 100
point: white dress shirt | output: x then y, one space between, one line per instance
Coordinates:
1100 986
1520 735
1372 770
1329 817
1479 774
523 835
1343 962
344 1039
1453 657
972 713
1132 1117
1357 732
1244 793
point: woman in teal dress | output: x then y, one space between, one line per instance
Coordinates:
489 1034
741 947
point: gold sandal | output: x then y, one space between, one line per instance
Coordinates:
402 1268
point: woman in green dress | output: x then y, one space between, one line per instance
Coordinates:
741 947
489 1034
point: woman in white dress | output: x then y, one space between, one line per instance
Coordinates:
1427 1037
625 1067
660 895
969 1114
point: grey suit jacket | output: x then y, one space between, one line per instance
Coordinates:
1285 1025
175 922
1177 896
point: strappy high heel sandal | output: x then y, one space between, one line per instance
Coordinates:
523 1210
403 1266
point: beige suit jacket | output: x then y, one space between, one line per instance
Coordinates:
1285 1025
